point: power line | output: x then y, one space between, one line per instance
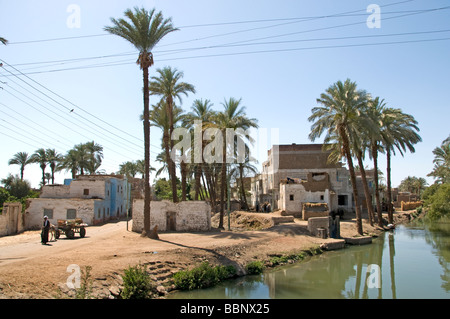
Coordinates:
307 18
77 107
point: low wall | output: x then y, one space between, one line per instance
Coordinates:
410 205
319 222
183 216
314 210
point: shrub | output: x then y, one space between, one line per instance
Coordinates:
137 283
202 276
254 268
439 202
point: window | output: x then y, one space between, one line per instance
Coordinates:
342 200
71 213
321 197
86 191
48 212
291 197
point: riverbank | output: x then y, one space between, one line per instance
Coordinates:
30 270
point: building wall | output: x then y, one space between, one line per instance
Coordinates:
186 216
56 209
292 197
11 219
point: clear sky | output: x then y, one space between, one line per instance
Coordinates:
278 56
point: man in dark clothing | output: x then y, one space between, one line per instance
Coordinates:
45 229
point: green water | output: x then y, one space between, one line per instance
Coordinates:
408 262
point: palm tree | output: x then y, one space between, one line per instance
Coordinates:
94 156
3 41
339 115
128 169
233 116
168 86
70 162
375 110
40 157
441 170
53 159
201 111
143 30
398 132
159 117
22 159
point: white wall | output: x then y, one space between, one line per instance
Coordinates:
190 215
34 212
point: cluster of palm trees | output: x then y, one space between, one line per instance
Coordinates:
210 179
355 123
81 159
413 185
144 30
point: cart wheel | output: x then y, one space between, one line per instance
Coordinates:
57 234
70 234
82 232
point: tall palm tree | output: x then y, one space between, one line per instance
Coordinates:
53 158
3 41
339 114
233 116
143 30
202 112
40 157
375 110
159 117
169 87
399 131
22 159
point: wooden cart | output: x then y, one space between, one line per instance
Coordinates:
70 227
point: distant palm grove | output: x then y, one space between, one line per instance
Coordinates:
356 126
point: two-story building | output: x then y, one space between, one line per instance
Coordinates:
93 198
298 173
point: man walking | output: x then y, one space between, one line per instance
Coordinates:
45 229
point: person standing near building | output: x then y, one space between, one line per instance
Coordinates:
45 229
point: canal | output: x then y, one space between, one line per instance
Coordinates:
412 261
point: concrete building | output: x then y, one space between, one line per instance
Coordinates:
298 173
93 198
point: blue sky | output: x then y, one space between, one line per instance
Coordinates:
278 56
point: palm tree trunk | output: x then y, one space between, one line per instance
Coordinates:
348 155
377 186
241 172
198 172
389 191
147 195
224 185
366 189
183 180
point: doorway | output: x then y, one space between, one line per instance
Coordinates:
171 221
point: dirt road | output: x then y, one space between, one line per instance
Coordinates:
29 269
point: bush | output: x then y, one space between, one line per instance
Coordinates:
137 283
439 202
254 268
202 276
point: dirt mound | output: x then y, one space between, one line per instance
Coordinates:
243 221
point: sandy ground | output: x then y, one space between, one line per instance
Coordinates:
29 269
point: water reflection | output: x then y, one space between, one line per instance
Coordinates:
398 264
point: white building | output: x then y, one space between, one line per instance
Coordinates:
93 198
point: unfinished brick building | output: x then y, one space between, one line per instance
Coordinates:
298 173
